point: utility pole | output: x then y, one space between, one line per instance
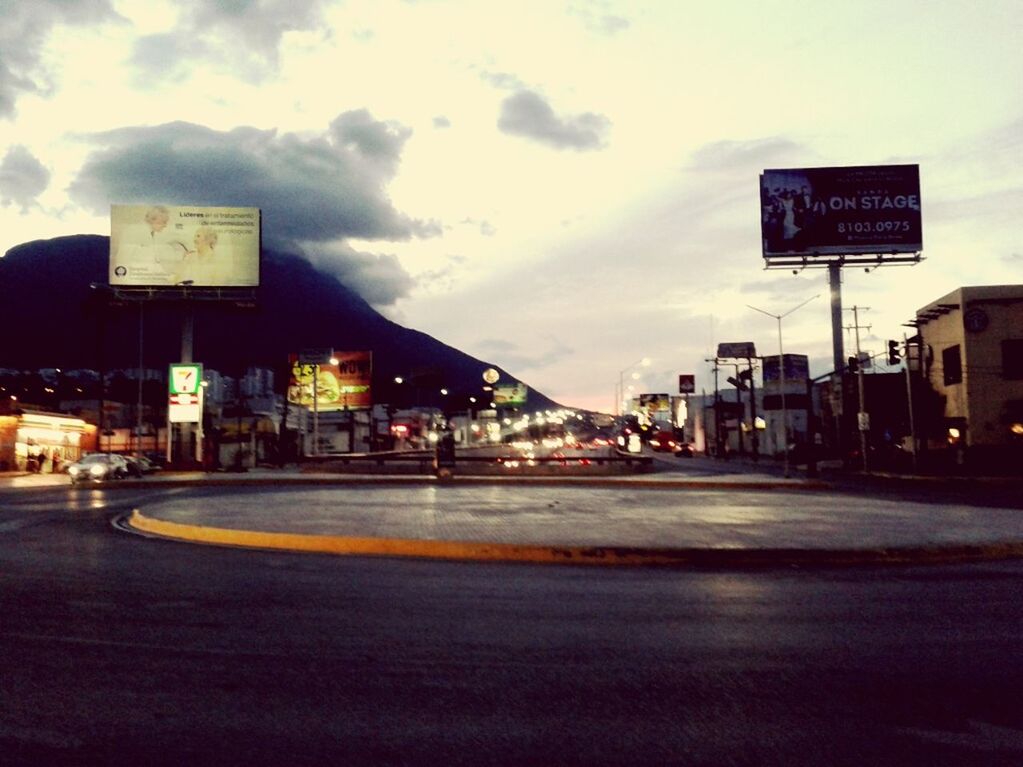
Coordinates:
909 399
753 410
862 417
717 409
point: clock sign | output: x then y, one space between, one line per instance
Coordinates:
975 320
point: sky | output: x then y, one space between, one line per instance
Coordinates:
561 188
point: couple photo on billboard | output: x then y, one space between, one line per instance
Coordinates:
819 211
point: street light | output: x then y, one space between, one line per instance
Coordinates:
781 369
620 392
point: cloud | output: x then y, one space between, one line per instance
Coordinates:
502 80
756 154
22 178
545 351
240 36
485 227
597 17
379 278
440 121
525 113
378 141
315 191
311 188
25 28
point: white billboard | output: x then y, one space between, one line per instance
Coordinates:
153 245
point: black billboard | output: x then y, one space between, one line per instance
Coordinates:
871 209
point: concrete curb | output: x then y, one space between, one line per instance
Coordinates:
573 555
360 479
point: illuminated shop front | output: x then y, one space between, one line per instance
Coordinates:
25 433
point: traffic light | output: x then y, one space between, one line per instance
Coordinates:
894 355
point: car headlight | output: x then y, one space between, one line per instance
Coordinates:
74 471
98 470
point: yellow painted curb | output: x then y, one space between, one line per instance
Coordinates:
401 547
580 555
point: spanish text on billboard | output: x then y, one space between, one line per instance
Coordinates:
158 245
344 386
846 211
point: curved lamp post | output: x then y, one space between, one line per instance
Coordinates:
781 373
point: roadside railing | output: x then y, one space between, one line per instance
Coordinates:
422 462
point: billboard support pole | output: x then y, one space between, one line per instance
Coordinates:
835 283
187 343
837 339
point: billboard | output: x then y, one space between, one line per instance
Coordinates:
686 383
797 373
739 350
344 386
166 245
655 403
873 209
510 396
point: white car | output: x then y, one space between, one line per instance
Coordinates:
97 467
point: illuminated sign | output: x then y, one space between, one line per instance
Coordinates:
511 396
184 395
344 386
153 245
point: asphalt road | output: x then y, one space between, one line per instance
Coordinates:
116 649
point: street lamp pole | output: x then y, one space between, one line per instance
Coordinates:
781 373
645 362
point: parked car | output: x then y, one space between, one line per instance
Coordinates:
135 468
98 467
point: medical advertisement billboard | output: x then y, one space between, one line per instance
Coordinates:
176 245
872 209
341 386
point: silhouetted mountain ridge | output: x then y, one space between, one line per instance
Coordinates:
48 313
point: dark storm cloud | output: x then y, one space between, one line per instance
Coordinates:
24 28
525 113
313 190
379 278
378 141
22 178
242 36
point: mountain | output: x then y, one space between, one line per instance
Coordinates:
51 317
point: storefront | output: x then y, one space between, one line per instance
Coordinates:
27 437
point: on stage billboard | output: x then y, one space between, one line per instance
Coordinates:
166 245
871 209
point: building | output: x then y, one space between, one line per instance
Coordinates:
25 434
970 346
